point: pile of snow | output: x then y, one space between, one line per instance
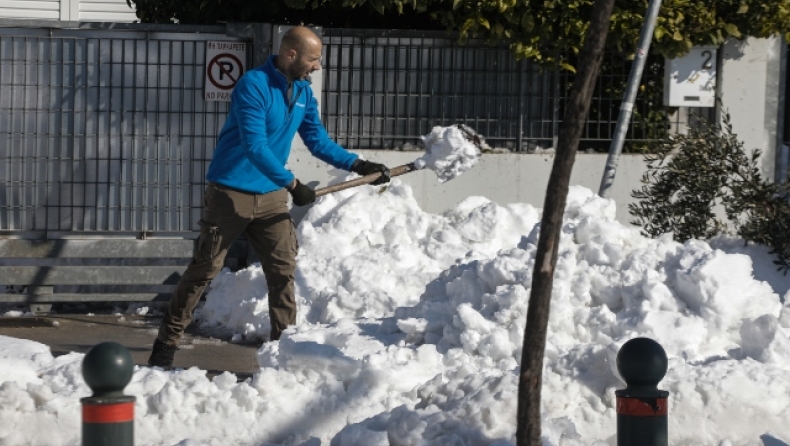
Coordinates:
449 151
410 332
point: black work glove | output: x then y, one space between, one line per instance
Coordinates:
363 168
302 194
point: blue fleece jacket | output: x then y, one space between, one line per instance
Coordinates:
253 146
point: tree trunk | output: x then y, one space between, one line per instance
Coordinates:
528 432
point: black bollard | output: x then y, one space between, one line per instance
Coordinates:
641 407
107 415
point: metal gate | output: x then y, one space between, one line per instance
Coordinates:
104 128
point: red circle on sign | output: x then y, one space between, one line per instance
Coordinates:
214 61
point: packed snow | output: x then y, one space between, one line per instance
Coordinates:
450 151
410 329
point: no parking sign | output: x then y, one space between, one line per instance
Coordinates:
225 63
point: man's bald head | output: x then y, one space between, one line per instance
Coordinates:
298 38
299 53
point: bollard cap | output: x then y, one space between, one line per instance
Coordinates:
642 363
107 368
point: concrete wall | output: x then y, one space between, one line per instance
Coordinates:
503 178
750 84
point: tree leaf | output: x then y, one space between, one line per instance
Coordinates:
732 30
567 66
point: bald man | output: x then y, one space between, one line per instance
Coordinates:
248 185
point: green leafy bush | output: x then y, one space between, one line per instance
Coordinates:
545 31
689 176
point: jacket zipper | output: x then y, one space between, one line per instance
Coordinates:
291 105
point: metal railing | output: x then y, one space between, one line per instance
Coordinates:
383 89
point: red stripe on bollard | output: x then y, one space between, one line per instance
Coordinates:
640 408
108 413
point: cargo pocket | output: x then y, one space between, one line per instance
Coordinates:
208 244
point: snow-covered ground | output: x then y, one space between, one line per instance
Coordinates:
410 330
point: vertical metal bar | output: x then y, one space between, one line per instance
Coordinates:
45 65
67 122
334 89
178 153
98 137
368 89
80 164
379 123
113 200
429 70
127 145
357 62
520 105
384 90
782 130
20 146
138 170
397 116
461 91
5 217
643 47
493 104
155 129
66 170
445 81
420 86
101 223
198 143
86 221
555 120
37 158
349 94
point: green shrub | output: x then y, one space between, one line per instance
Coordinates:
689 176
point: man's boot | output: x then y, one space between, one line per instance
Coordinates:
162 355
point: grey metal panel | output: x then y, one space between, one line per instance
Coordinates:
383 89
85 297
104 128
93 275
31 249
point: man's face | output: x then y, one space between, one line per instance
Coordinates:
306 61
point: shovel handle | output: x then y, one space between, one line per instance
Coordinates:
367 179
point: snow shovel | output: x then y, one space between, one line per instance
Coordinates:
449 151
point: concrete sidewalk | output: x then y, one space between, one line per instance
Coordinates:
65 333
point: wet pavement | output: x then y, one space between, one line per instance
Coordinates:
65 333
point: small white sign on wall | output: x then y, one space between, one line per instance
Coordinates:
225 63
690 81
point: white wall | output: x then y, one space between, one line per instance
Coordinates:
30 9
503 178
68 10
104 11
749 86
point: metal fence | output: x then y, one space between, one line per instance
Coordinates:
104 130
383 89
